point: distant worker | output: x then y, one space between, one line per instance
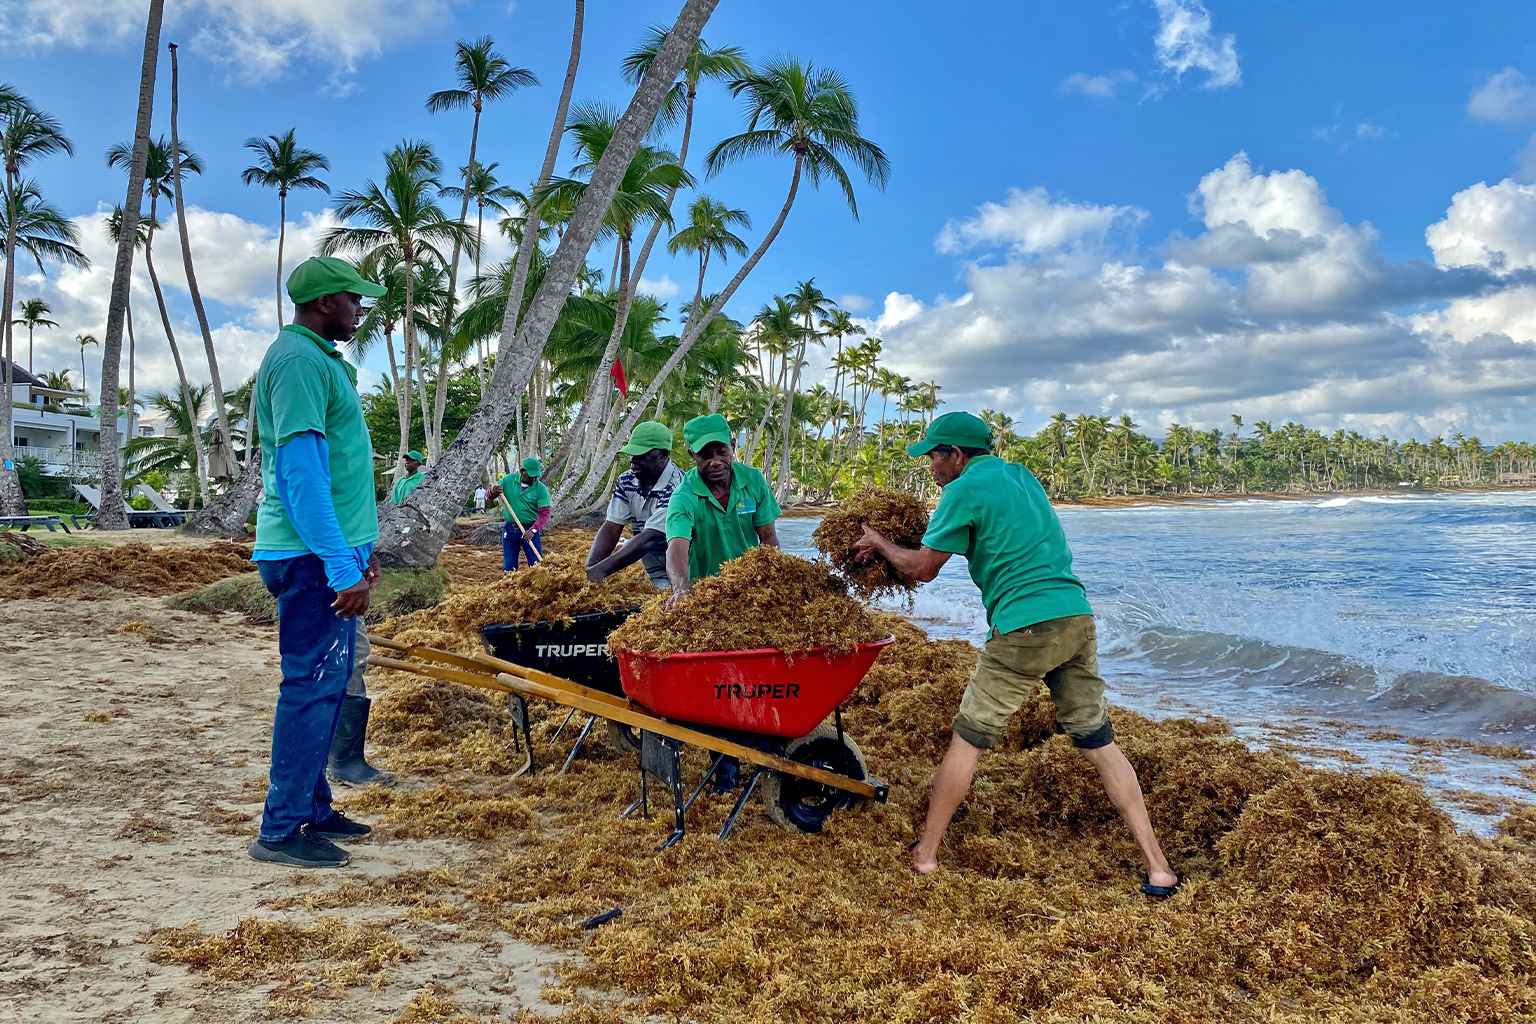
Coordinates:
720 510
998 517
640 498
315 530
479 499
526 495
412 479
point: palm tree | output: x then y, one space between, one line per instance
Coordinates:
142 229
283 164
709 234
84 340
112 515
26 134
34 314
160 172
483 75
808 114
401 225
482 188
175 450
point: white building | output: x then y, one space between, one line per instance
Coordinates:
68 443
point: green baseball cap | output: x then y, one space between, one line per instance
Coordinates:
533 467
647 436
327 275
960 429
701 430
416 455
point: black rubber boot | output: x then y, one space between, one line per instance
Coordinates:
346 765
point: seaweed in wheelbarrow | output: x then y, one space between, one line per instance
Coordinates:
763 600
900 516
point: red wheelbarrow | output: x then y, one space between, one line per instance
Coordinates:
762 707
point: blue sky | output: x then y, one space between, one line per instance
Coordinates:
1320 142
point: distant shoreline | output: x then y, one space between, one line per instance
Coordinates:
1113 501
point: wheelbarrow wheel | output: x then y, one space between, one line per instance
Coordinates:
623 738
803 805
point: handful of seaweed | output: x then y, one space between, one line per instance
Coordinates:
902 517
764 599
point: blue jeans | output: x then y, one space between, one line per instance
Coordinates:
316 647
512 542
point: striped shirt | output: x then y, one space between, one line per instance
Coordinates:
645 510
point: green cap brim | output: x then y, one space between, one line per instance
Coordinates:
638 449
368 289
922 447
699 443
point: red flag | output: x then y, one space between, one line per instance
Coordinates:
617 373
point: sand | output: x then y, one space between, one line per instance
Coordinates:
110 829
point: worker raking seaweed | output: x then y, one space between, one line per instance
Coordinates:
640 499
1041 627
315 531
720 510
525 507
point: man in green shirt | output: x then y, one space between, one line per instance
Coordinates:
998 517
720 510
412 479
526 496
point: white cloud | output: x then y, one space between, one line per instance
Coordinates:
1527 171
1505 98
663 288
258 38
1279 307
1030 222
1185 41
1102 86
853 303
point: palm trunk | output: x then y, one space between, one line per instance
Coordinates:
440 393
112 515
511 321
413 533
221 415
133 414
402 404
282 236
696 327
12 501
181 369
408 333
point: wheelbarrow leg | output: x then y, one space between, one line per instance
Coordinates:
517 707
563 723
662 757
741 801
714 767
581 738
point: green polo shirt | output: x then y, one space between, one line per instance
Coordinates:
305 385
997 515
526 501
404 486
720 534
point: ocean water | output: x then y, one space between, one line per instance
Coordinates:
1410 613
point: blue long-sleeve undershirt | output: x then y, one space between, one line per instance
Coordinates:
303 475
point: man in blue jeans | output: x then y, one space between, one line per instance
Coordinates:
315 531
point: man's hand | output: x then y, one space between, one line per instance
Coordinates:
869 545
371 573
595 575
679 594
353 601
494 493
528 535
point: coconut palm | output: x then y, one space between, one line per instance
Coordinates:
482 188
709 234
84 340
26 134
34 314
142 228
160 171
809 303
402 224
283 164
174 451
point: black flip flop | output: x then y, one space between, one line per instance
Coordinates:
1159 892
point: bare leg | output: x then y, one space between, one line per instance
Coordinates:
1125 793
950 785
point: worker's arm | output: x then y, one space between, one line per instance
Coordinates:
677 569
603 544
644 543
921 564
768 536
303 475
